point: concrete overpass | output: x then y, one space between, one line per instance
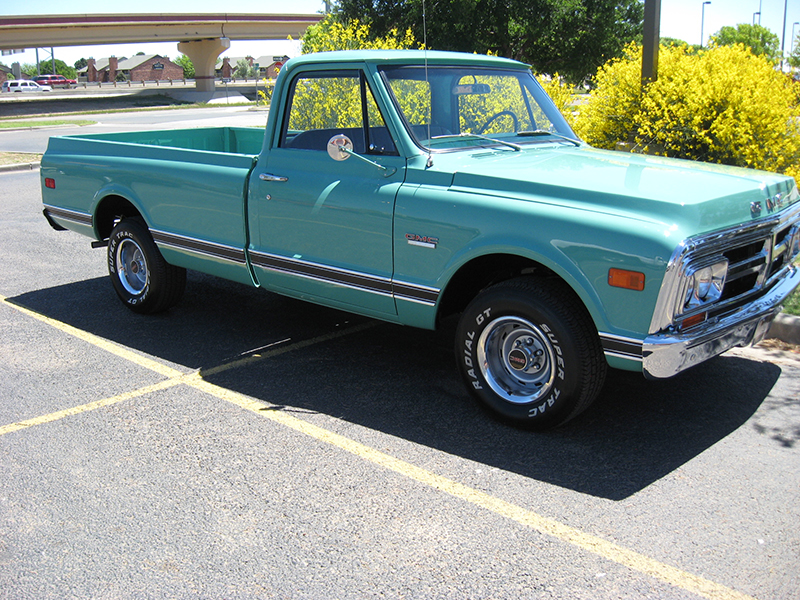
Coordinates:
201 37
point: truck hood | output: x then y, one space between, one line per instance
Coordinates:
682 194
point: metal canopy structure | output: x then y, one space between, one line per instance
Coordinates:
202 37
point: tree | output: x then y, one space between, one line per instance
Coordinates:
46 67
759 39
245 68
80 63
185 63
794 56
571 37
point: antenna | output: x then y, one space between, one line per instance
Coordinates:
429 162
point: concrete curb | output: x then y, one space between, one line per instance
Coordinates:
785 328
19 167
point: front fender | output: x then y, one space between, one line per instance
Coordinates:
579 246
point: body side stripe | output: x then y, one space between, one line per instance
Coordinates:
199 246
69 215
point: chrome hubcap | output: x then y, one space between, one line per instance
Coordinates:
516 359
131 267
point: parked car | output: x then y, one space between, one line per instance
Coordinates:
55 81
425 188
24 85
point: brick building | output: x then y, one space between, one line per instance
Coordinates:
268 66
143 67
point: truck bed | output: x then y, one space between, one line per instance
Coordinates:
188 184
228 140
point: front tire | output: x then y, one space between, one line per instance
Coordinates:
529 352
143 280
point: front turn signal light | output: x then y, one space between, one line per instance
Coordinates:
629 280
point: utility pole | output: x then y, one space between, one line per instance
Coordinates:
652 37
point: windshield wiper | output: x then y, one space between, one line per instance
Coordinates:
516 147
535 132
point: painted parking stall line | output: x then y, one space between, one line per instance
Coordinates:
89 406
608 550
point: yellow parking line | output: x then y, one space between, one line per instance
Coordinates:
76 410
97 341
596 545
282 350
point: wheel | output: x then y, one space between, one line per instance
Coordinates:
494 117
529 352
143 280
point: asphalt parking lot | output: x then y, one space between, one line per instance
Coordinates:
245 445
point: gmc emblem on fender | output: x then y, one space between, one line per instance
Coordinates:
422 240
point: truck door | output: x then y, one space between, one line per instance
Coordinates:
321 228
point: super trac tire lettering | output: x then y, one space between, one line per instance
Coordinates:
141 277
528 351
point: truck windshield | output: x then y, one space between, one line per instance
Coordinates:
448 107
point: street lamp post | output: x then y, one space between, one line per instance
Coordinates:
783 32
754 17
703 21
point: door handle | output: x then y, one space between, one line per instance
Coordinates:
269 177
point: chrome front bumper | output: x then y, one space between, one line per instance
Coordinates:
665 354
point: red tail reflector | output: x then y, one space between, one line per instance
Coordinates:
49 182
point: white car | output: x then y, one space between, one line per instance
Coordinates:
24 85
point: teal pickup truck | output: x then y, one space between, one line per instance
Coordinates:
412 187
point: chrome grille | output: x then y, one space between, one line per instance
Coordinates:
758 253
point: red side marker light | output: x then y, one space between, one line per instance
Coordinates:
630 280
49 182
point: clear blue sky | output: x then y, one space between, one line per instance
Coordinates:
679 19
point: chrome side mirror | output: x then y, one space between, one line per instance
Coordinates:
339 147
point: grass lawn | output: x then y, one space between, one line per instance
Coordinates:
49 123
13 158
792 305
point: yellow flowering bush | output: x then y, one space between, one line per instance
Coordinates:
560 93
321 103
721 105
329 35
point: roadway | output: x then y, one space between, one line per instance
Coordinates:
35 140
245 445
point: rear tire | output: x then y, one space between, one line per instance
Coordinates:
143 280
528 351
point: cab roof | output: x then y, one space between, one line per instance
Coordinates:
402 57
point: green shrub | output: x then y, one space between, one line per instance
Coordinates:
721 105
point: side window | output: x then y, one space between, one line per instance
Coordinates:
322 105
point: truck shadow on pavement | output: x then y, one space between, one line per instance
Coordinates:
403 382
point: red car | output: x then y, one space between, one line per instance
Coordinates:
55 81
